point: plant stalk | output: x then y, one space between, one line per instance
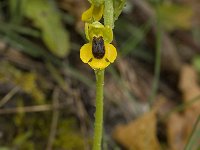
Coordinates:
98 125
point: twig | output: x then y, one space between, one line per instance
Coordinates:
82 116
29 109
54 121
8 96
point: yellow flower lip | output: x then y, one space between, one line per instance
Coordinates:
87 56
98 53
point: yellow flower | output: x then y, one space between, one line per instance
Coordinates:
98 53
94 13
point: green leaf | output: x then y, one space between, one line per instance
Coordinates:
48 20
22 44
22 138
118 7
13 9
173 16
4 148
193 142
16 8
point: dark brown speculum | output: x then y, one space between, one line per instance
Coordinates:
98 47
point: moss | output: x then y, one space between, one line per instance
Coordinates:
69 137
26 81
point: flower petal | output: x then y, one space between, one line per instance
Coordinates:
94 13
86 52
98 63
98 12
95 30
87 15
111 52
86 31
107 34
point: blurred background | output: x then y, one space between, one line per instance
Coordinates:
152 91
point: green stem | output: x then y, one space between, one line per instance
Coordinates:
157 61
157 68
193 142
108 14
98 125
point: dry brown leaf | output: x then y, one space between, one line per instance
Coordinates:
190 89
179 126
175 132
189 85
195 4
139 134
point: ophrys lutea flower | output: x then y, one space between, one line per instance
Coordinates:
98 53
